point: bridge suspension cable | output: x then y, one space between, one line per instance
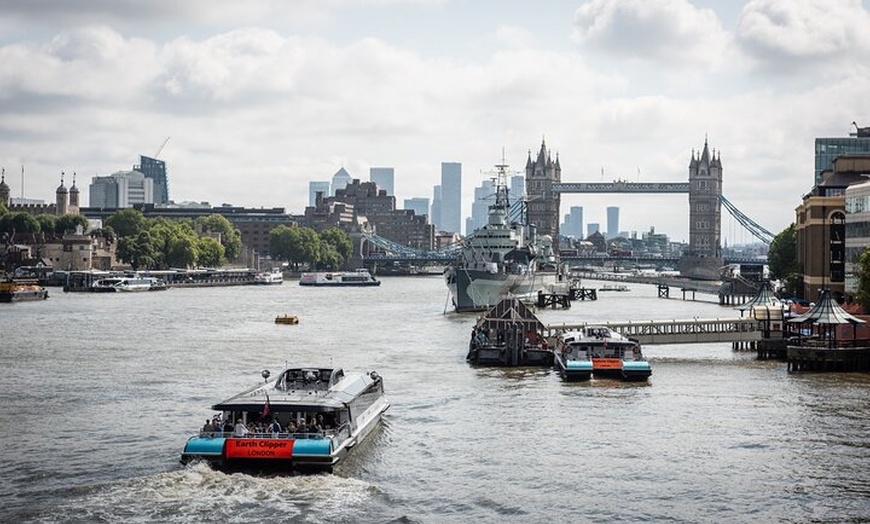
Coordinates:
753 227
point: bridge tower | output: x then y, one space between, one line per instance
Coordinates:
543 202
704 257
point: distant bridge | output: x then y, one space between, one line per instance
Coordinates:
652 332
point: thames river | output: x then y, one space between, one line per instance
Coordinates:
100 392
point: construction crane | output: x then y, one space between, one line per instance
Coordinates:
161 147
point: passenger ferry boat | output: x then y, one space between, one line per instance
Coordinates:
501 259
360 277
611 354
21 290
573 362
128 284
322 415
266 278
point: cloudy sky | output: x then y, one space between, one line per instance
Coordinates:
260 97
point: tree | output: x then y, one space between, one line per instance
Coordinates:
297 245
47 222
783 261
211 252
19 223
69 224
862 296
337 247
230 237
127 222
138 251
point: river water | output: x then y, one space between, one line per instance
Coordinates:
100 392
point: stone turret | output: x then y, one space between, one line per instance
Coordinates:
4 189
62 199
74 196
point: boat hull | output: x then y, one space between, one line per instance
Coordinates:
23 295
478 290
631 371
499 355
573 370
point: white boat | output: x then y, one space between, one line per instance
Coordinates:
614 287
128 284
360 277
265 278
322 414
504 258
611 354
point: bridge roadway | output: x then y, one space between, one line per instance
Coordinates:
683 284
651 332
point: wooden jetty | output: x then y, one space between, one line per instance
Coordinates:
509 334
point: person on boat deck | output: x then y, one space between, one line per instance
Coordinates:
240 430
275 427
208 427
228 426
291 427
303 427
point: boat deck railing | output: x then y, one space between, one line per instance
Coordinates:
344 430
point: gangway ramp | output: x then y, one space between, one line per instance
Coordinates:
689 331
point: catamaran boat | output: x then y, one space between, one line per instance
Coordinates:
360 277
305 419
115 284
504 258
610 354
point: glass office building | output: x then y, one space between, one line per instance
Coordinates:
828 149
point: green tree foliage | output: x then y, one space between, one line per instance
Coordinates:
863 268
336 247
297 245
211 252
47 222
138 251
19 223
127 222
231 238
783 261
69 224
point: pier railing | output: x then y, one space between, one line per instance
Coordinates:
676 331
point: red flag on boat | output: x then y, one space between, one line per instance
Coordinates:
266 407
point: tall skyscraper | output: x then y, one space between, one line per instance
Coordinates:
593 228
419 205
435 218
317 186
574 222
451 197
384 177
517 188
156 171
340 180
484 196
612 222
828 149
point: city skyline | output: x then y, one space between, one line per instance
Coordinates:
248 103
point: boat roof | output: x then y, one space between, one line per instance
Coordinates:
510 311
301 389
591 332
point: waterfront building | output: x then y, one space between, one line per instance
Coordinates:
340 180
419 205
155 171
543 203
451 197
484 196
820 223
384 177
857 218
315 187
121 189
66 200
612 222
828 149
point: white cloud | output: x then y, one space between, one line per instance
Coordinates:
671 32
803 34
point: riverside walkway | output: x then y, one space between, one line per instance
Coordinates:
688 331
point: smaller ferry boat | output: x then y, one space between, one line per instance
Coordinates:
360 277
266 278
614 287
509 334
611 354
128 284
573 362
287 319
305 419
21 290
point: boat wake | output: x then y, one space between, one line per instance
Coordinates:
197 493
